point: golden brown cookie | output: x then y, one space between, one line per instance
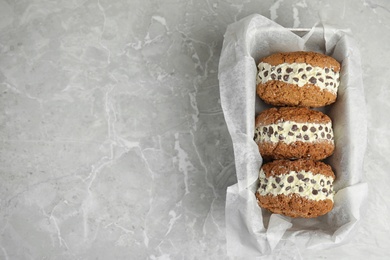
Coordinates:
301 188
294 132
306 79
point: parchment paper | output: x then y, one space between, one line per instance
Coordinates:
252 231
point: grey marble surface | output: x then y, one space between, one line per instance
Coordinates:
113 140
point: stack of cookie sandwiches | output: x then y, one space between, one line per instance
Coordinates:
293 137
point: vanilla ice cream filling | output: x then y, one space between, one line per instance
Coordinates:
290 132
304 183
299 74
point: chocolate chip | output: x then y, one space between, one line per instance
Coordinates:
295 79
277 179
264 129
322 182
279 77
280 128
300 70
276 133
281 137
320 127
260 77
273 185
271 130
273 76
285 77
326 129
308 68
318 74
326 84
329 77
289 70
299 136
315 192
304 128
313 129
306 137
304 76
272 68
266 180
323 135
281 185
300 189
321 79
324 190
326 70
331 83
290 133
313 80
264 186
294 128
328 136
288 188
306 180
266 73
254 138
263 69
290 179
279 70
313 181
328 182
300 176
316 136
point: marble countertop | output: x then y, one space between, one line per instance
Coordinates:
113 140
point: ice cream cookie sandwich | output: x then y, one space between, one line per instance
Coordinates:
306 79
293 133
301 188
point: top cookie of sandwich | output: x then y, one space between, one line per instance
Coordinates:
307 79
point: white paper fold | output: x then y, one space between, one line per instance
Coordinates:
252 231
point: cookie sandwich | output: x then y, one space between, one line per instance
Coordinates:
300 78
301 188
294 133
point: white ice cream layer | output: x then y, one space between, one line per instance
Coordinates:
306 184
290 132
299 74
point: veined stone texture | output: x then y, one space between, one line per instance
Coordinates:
113 140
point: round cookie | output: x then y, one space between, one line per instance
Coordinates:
306 79
301 188
293 133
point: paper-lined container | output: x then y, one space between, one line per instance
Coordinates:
252 231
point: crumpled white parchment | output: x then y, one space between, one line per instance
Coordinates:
252 231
